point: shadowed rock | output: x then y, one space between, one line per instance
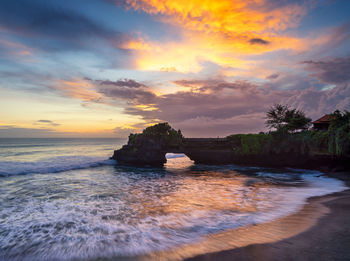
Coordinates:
271 150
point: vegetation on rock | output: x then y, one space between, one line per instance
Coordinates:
339 133
284 119
161 132
289 143
284 140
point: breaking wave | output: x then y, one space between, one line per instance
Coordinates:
51 165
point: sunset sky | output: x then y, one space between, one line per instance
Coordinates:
105 68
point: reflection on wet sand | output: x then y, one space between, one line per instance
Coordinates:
272 231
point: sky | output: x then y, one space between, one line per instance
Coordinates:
107 68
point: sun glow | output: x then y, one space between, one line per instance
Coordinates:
222 32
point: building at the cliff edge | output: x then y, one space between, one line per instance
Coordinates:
322 124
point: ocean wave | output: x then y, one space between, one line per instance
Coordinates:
51 165
129 217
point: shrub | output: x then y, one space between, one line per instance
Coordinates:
339 134
249 144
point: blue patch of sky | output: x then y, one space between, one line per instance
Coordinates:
329 13
119 18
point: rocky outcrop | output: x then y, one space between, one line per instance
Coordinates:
208 150
149 149
146 153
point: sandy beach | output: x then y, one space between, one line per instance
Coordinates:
320 231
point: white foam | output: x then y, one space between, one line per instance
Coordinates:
125 213
51 165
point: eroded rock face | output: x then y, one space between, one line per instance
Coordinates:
145 153
149 147
208 150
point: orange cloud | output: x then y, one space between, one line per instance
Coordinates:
15 48
225 16
79 89
222 32
188 55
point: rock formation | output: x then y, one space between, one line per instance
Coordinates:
270 150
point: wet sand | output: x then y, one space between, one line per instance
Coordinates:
320 231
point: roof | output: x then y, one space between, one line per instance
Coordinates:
324 119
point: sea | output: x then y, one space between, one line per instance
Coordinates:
64 199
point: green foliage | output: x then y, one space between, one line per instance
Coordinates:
159 129
284 119
249 144
318 141
335 141
339 133
270 143
132 138
161 132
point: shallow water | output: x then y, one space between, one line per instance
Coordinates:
64 200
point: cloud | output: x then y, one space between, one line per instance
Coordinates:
273 76
15 49
49 26
12 131
214 106
47 122
19 132
123 132
219 32
316 102
203 107
218 107
329 40
333 70
226 16
120 83
106 91
125 89
258 41
80 89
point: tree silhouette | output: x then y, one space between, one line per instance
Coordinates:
282 118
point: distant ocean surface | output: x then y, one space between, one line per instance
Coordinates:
64 199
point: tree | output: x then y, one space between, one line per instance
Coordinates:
282 118
161 132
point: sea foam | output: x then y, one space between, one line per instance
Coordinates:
51 165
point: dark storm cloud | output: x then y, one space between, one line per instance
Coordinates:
258 41
47 25
336 70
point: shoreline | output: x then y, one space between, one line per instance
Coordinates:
319 231
321 228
